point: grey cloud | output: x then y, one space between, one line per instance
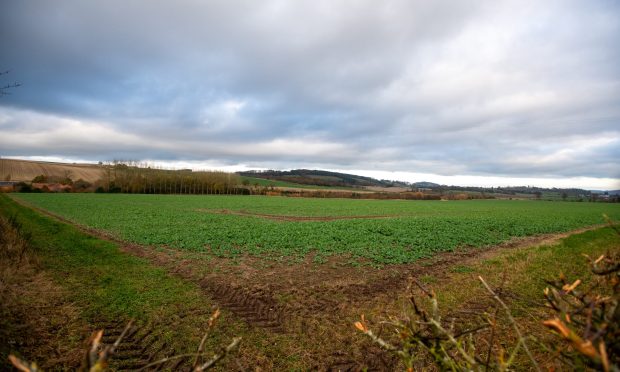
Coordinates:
443 87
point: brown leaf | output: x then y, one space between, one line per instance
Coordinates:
568 288
558 326
361 327
21 364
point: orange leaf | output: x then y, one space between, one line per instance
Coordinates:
18 363
361 327
558 326
569 288
586 348
214 317
604 357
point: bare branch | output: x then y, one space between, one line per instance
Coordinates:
512 322
211 322
222 354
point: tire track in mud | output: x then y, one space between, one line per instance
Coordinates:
254 306
256 309
373 358
145 343
140 346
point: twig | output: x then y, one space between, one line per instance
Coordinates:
110 349
492 339
512 322
211 322
454 342
217 357
494 326
91 355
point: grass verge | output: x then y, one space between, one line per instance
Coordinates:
101 285
102 279
524 271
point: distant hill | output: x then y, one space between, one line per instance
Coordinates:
426 185
608 192
319 178
26 170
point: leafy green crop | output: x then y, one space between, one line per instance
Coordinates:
402 231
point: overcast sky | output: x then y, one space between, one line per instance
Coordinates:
461 92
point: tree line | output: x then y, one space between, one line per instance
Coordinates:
137 178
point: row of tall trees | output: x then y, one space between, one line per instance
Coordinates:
133 177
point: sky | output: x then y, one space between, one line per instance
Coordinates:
484 93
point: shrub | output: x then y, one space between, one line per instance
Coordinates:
588 319
425 337
81 185
40 179
23 187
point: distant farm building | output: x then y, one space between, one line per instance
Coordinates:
7 186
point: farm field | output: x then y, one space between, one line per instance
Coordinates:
290 229
25 170
294 311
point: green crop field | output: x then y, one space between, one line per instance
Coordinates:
378 231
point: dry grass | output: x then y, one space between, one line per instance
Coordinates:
36 321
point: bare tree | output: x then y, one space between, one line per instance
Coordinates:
4 90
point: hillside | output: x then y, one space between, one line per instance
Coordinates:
26 170
320 178
425 184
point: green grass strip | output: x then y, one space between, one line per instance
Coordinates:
102 279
